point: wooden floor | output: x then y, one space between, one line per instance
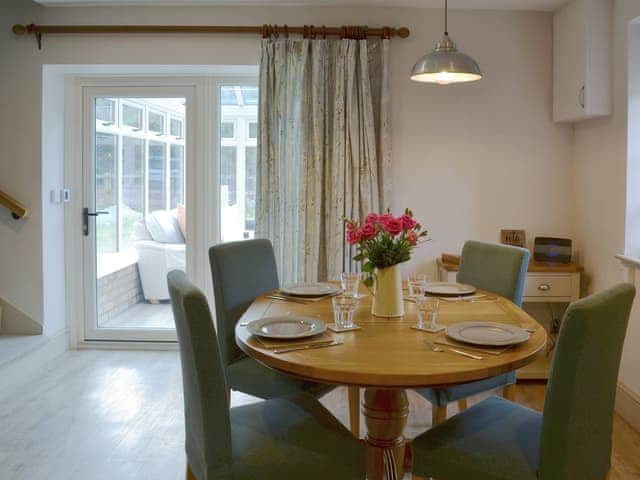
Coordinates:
97 415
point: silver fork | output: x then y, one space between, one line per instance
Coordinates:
438 349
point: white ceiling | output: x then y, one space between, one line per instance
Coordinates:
544 5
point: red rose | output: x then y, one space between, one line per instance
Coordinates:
412 238
408 222
368 231
354 235
371 218
394 226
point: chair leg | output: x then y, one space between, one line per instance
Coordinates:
462 405
609 475
510 392
438 415
354 410
190 475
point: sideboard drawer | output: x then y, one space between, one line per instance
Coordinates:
548 286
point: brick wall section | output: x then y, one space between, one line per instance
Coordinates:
118 291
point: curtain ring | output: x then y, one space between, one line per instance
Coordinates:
276 31
305 33
324 32
265 31
286 31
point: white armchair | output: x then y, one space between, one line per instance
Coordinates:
161 248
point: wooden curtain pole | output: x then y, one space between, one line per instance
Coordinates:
265 30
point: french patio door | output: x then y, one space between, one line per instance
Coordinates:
137 155
167 171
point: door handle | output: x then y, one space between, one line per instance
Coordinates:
85 219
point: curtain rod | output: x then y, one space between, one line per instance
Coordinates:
308 31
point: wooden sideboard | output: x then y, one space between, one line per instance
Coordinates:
550 284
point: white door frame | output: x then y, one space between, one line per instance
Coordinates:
197 158
202 171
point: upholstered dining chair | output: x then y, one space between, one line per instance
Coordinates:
500 440
501 269
290 437
242 271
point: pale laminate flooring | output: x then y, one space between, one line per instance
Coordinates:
97 415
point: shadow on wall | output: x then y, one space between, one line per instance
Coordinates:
16 322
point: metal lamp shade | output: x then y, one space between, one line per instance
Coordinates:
446 65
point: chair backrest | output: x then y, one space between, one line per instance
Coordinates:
206 408
497 268
242 271
578 410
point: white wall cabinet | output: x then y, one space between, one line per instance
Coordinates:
581 60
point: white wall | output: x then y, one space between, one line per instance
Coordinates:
601 188
469 159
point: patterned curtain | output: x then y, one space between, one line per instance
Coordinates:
324 149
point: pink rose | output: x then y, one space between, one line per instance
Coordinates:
368 231
408 222
393 226
371 218
412 238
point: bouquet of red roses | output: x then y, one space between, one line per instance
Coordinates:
384 240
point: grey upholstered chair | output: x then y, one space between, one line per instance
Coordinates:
242 271
500 440
292 437
501 269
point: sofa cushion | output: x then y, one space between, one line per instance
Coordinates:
163 227
182 219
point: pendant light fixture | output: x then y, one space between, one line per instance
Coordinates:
445 64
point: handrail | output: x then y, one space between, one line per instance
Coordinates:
17 209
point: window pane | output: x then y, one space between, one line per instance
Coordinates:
132 116
226 130
249 95
106 192
253 130
157 176
176 127
176 180
250 190
156 122
228 96
132 187
228 175
106 110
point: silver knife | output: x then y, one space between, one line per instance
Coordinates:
333 343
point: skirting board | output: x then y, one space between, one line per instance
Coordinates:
21 370
628 405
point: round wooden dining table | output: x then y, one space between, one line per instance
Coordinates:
386 357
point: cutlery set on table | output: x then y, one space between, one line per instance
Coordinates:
471 339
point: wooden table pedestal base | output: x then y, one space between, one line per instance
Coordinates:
385 413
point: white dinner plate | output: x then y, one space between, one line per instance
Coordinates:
287 327
309 289
487 333
449 288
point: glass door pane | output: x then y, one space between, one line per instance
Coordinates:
237 176
135 216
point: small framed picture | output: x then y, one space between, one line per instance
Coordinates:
513 237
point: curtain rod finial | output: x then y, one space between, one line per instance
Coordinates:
19 29
403 32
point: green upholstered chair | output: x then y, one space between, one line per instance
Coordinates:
500 440
290 437
242 271
497 268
